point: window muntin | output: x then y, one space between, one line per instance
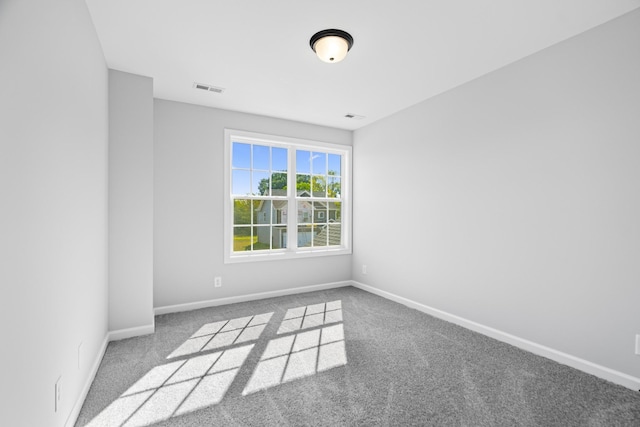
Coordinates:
261 174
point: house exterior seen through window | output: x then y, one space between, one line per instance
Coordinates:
286 198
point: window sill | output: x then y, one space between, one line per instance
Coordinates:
286 255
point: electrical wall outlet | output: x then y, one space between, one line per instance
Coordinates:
217 282
58 394
364 269
638 344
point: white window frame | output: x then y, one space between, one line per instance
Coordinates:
292 251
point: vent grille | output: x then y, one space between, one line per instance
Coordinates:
354 116
208 88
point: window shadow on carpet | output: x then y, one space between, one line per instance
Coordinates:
213 355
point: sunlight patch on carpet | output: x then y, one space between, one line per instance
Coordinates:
216 335
205 371
311 316
174 389
298 356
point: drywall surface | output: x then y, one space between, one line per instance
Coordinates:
188 208
513 200
130 201
53 207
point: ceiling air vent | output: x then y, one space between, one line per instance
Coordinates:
208 88
354 116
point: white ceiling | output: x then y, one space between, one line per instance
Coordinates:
404 52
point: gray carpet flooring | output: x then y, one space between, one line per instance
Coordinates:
338 357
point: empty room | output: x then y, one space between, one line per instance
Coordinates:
294 213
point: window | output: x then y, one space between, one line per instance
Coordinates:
285 197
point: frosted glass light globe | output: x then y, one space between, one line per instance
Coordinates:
331 49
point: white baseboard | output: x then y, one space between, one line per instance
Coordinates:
250 297
75 411
541 350
121 334
111 336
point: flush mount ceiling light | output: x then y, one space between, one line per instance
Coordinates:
331 45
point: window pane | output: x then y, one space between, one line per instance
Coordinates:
303 185
319 212
304 236
242 211
320 234
279 212
335 164
263 241
261 157
319 163
304 212
303 161
260 183
279 237
242 239
241 182
278 184
335 211
335 234
241 155
333 188
319 185
262 212
279 159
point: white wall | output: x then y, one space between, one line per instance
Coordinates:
130 203
188 208
53 206
513 201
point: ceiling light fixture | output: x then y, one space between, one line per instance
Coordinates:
331 45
